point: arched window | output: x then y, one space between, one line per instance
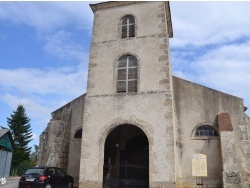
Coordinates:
127 74
78 134
206 130
128 26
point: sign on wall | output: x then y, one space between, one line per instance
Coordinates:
199 165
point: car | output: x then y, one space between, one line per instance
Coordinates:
45 177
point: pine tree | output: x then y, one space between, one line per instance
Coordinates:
21 133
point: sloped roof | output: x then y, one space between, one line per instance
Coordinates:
6 140
3 132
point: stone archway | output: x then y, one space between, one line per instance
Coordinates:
126 158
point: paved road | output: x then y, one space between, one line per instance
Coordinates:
11 182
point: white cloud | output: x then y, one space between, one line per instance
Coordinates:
42 90
47 16
48 81
205 23
226 67
33 108
211 45
60 44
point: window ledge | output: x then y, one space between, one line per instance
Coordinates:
128 38
204 137
76 139
125 93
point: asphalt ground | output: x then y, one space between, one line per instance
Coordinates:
11 182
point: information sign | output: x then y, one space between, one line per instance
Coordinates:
199 165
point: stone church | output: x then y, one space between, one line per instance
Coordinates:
137 125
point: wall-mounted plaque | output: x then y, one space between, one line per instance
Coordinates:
199 165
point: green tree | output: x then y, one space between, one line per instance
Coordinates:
21 133
33 156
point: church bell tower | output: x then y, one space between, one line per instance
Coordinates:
128 122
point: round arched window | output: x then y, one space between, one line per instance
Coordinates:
78 134
206 130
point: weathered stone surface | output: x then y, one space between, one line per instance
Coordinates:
162 185
163 58
233 177
60 141
154 92
90 184
192 183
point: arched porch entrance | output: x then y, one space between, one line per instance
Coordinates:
126 158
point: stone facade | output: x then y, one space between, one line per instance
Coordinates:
165 111
58 145
196 105
153 92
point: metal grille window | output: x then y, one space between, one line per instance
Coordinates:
127 74
128 26
206 130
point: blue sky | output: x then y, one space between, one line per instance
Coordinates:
44 49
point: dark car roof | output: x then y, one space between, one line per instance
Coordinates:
42 167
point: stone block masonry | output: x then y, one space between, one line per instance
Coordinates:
231 175
58 155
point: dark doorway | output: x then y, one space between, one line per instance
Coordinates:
126 158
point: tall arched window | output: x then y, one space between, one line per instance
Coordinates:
128 26
127 74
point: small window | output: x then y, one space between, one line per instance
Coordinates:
127 74
128 26
206 130
78 134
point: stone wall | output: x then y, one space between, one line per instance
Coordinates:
57 145
150 108
167 109
58 155
46 141
231 175
198 105
244 146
